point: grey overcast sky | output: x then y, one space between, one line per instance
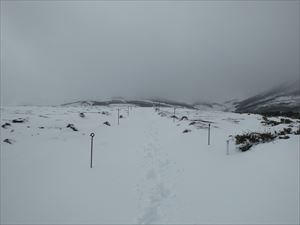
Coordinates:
54 52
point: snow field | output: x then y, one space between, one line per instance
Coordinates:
145 170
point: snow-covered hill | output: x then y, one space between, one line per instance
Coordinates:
139 103
210 106
283 98
145 170
207 106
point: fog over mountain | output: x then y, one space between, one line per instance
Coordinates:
56 52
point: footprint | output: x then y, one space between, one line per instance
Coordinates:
152 213
151 216
151 174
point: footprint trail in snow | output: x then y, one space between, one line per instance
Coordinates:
155 191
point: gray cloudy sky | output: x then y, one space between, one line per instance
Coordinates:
55 52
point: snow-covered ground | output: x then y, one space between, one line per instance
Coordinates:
145 170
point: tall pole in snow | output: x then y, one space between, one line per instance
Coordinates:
92 140
118 116
174 114
209 134
128 111
227 152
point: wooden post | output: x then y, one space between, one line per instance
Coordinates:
92 140
209 134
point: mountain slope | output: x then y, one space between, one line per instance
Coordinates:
282 98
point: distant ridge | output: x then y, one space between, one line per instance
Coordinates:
140 103
285 97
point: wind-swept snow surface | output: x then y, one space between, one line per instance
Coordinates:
145 170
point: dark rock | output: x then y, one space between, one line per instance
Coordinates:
82 115
9 141
6 125
192 123
41 127
121 116
184 118
186 131
106 123
71 126
19 120
284 137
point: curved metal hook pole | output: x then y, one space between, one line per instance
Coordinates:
92 140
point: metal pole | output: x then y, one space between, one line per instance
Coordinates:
118 116
174 115
227 147
92 140
209 134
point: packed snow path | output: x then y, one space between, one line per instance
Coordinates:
155 189
145 170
